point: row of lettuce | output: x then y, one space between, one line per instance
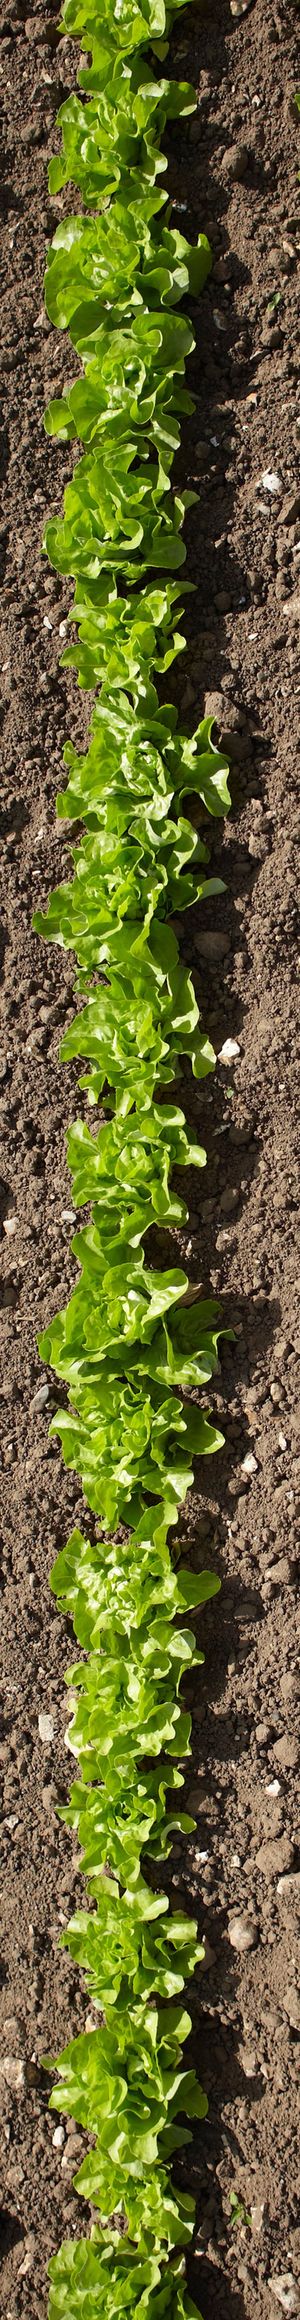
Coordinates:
128 1340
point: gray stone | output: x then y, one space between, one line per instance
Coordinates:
283 2286
40 1398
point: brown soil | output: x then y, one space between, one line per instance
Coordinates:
245 546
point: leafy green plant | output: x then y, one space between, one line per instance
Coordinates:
239 2213
134 1356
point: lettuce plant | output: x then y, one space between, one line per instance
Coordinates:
134 1357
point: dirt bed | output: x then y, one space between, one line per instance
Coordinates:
236 171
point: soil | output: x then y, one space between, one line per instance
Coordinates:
236 171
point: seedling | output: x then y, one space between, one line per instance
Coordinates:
239 2213
133 1358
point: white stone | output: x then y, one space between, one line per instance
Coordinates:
249 1464
228 1051
284 2288
242 1933
58 2138
257 2216
27 2264
13 2072
46 1726
270 481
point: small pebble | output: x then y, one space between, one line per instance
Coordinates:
257 2217
28 2260
209 1958
248 2061
222 1239
228 1051
288 1888
282 1442
40 1398
284 2288
270 481
58 2138
249 1464
291 508
13 2073
46 1726
242 1933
